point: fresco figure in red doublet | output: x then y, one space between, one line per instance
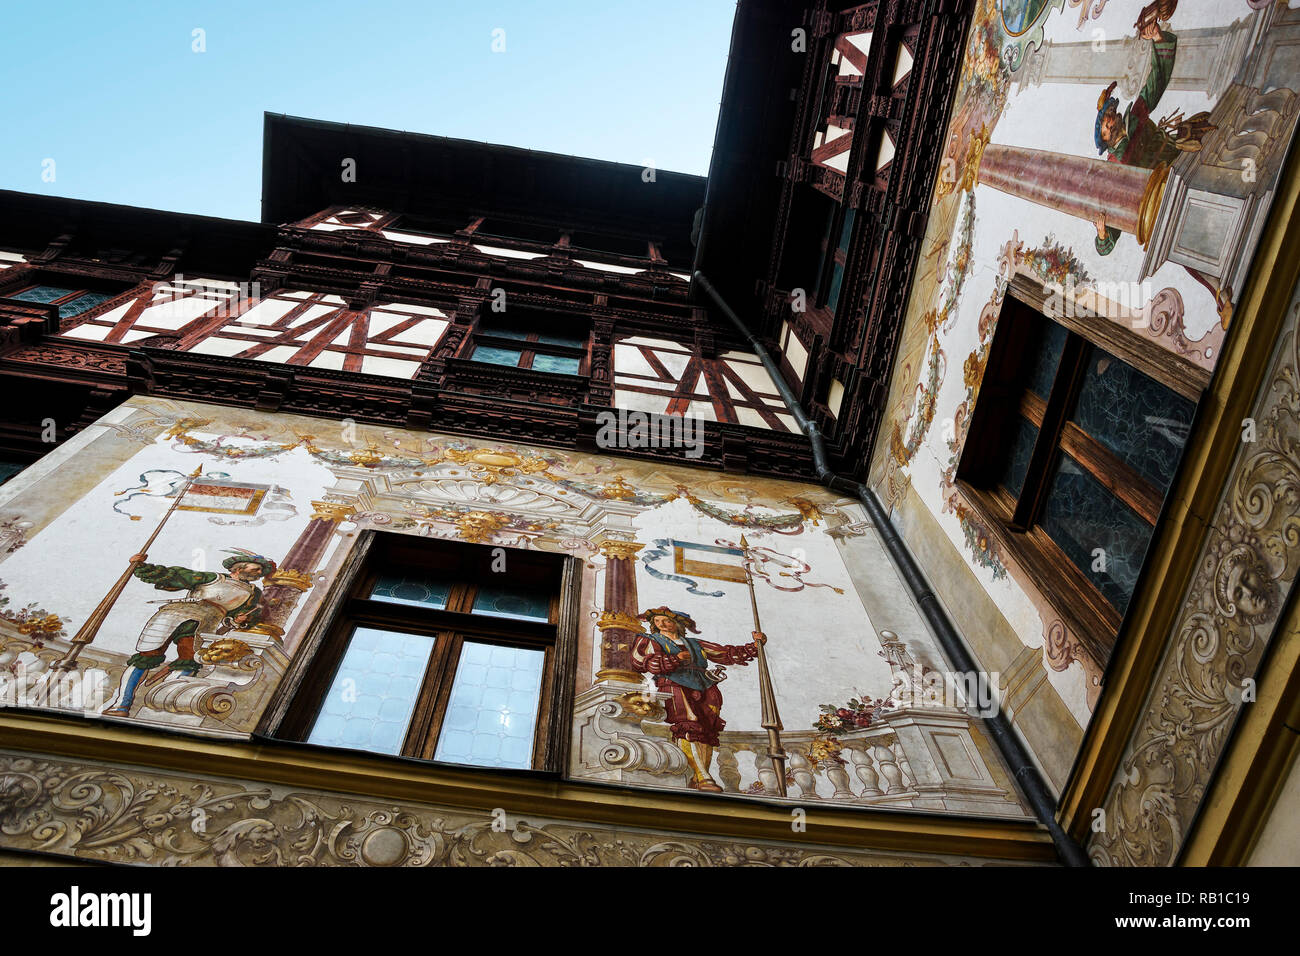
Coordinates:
679 665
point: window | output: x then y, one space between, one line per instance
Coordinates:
612 245
495 228
441 651
1070 453
443 226
518 343
793 351
72 302
839 258
808 241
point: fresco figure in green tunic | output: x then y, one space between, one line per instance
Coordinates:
1133 137
214 602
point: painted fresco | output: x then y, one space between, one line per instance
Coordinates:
737 634
1124 156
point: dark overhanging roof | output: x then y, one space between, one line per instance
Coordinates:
222 247
413 173
420 174
755 120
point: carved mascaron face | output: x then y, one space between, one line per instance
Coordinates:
1244 588
1250 591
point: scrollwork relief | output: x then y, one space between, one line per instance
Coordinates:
99 813
1246 567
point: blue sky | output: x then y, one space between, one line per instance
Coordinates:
115 94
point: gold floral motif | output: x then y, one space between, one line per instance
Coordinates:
478 526
618 490
331 511
367 457
968 173
490 466
40 626
808 510
822 749
183 425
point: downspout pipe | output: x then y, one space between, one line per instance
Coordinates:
1006 739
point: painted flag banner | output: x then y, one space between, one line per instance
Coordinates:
709 561
720 562
214 493
223 497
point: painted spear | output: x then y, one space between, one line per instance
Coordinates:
771 718
86 633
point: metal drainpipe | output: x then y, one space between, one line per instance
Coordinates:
1006 739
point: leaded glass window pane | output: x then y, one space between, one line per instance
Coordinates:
369 704
74 307
496 356
573 341
492 712
422 592
82 303
1049 342
512 603
42 293
1138 419
837 280
505 333
846 231
1017 462
558 364
1081 516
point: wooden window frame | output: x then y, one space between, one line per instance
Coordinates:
1013 521
80 289
646 254
529 348
297 702
839 256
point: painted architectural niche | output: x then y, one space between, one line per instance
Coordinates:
800 667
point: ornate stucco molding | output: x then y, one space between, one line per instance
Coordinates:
1244 570
95 812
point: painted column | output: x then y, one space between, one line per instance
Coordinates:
618 623
1076 185
286 586
1206 62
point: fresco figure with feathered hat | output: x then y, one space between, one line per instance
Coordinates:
679 665
1132 137
215 602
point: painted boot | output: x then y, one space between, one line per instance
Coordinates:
697 757
126 693
704 757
